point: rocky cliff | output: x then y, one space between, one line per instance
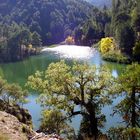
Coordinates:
12 129
20 113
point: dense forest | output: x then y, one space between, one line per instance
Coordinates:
29 24
125 27
48 22
53 20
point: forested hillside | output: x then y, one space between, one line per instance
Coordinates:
50 22
53 20
125 27
28 24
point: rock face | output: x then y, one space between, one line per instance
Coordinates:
22 114
12 129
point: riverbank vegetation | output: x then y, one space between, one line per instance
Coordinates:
116 56
124 27
111 52
17 42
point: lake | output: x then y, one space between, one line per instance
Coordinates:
18 73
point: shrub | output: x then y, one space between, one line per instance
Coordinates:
69 40
116 56
107 44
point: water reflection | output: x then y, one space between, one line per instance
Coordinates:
72 51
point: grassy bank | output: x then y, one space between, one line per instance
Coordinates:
116 56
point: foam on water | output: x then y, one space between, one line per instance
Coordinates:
72 51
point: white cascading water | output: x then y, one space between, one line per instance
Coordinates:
72 51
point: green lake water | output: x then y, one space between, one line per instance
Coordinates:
18 73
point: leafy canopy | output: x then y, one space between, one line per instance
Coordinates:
12 93
61 84
128 85
64 88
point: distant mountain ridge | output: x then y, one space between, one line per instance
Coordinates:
100 3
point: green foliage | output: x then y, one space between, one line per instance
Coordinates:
47 22
125 24
53 20
116 56
63 88
2 85
22 37
122 133
132 75
36 39
129 86
107 30
126 38
136 51
54 23
110 52
15 94
14 42
94 28
12 93
54 121
135 15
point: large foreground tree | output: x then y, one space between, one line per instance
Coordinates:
129 107
80 86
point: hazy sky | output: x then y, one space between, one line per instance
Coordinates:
100 3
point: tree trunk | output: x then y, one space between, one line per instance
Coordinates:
93 120
93 126
82 93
